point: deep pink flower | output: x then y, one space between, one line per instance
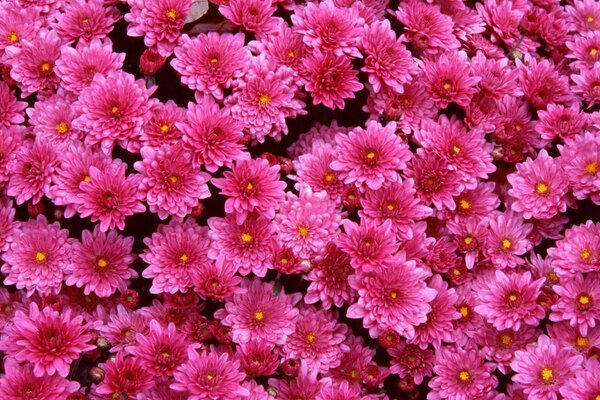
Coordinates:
76 67
307 222
170 185
395 297
510 300
475 204
580 158
174 252
31 171
587 85
318 339
19 24
561 121
578 302
114 108
260 314
121 326
248 245
216 280
258 358
7 223
585 15
210 376
125 377
539 187
543 84
100 263
11 110
578 251
49 340
332 79
411 362
327 28
387 61
251 185
86 21
450 79
283 47
543 368
498 79
212 135
109 196
461 374
328 278
38 256
252 15
370 157
32 64
319 132
20 383
159 21
506 240
52 119
398 203
585 384
163 127
209 62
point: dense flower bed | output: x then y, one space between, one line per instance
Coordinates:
299 200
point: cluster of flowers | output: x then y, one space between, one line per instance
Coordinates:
435 250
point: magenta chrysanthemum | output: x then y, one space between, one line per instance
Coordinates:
253 15
11 110
578 251
86 21
578 302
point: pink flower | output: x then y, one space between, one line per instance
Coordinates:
260 313
212 135
587 85
578 251
543 368
46 338
369 244
32 64
585 15
539 187
109 196
20 24
169 183
121 326
327 28
329 279
114 108
20 383
585 384
38 256
450 79
86 21
174 252
398 203
580 158
506 240
125 377
209 62
283 47
498 79
343 391
434 180
307 222
163 127
76 67
411 362
475 204
7 223
264 97
52 120
251 185
11 110
100 263
427 29
510 300
331 79
561 121
252 15
248 245
371 157
499 346
395 297
258 358
210 376
32 171
461 374
317 339
387 61
578 302
159 21
216 280
161 350
543 84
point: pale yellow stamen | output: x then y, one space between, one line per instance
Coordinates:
45 67
468 240
456 149
394 295
329 177
249 186
102 263
390 207
164 127
87 178
370 155
291 53
541 188
62 128
246 237
114 109
506 244
173 179
40 256
590 19
593 51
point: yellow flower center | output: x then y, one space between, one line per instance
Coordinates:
464 311
87 178
62 128
513 297
506 339
184 258
593 51
164 127
591 168
173 179
547 374
394 295
214 60
390 207
464 375
456 149
210 377
506 244
464 204
456 272
102 263
291 53
171 13
165 354
114 109
590 19
447 85
45 67
371 155
40 256
311 337
329 177
541 187
585 254
13 37
303 231
246 237
468 240
264 99
249 186
259 316
582 341
584 300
